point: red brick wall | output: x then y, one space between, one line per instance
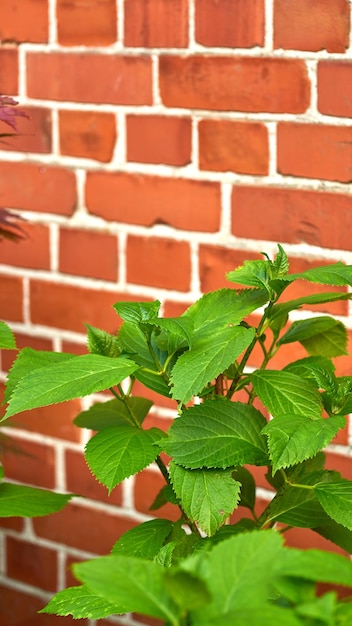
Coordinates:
168 141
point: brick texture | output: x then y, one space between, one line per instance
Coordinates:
335 88
157 139
158 262
86 134
86 24
33 251
156 24
34 134
31 564
21 609
88 253
11 297
230 23
25 461
24 21
9 70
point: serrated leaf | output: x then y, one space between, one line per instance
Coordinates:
208 497
284 308
153 380
217 434
114 412
336 533
137 312
29 360
337 274
252 274
281 263
166 495
336 500
24 501
310 367
248 488
322 336
295 438
284 393
180 326
208 358
317 565
134 584
73 378
118 452
81 603
101 342
145 540
7 338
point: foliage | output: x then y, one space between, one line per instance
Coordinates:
204 570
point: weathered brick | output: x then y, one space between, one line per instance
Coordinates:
42 188
149 200
147 486
33 251
235 84
315 151
87 134
158 139
54 421
230 23
292 215
312 25
24 21
240 147
103 79
158 262
81 23
335 88
11 294
32 564
30 462
156 23
34 134
8 70
88 253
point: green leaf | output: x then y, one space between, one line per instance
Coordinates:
186 589
154 381
7 338
336 500
207 359
284 308
285 393
317 565
217 434
24 501
137 312
114 412
322 336
252 274
321 609
29 360
337 274
310 367
262 615
74 377
179 326
295 438
248 488
134 584
336 533
101 342
145 540
166 495
208 497
81 603
281 264
117 452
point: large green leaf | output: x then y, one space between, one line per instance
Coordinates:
284 393
7 338
137 312
322 336
284 308
145 540
208 497
117 452
262 615
248 487
337 274
217 434
114 412
24 501
295 438
310 367
207 359
74 377
81 603
336 533
294 506
252 274
336 500
317 565
182 327
134 584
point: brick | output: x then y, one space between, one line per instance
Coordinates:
147 486
156 24
80 480
158 139
8 70
312 25
150 621
292 215
34 134
335 88
33 251
240 147
21 609
235 84
54 421
31 564
40 188
175 309
86 24
83 528
13 523
103 79
230 23
340 462
87 134
163 263
11 292
88 253
70 307
312 151
307 539
149 200
24 21
30 462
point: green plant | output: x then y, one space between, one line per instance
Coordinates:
202 569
